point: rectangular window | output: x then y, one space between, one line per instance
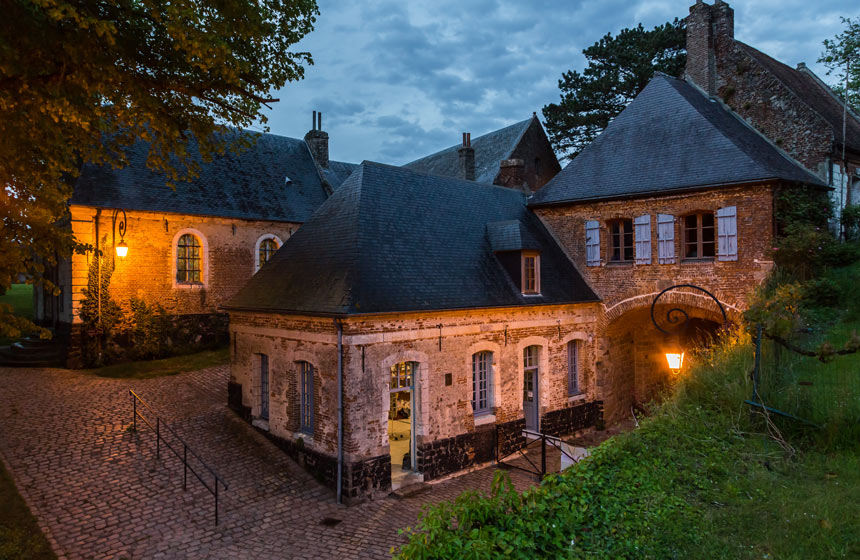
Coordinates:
482 363
306 374
264 386
573 367
531 273
621 241
699 240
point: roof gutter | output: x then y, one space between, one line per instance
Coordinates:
667 192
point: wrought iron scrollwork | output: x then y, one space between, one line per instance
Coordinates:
676 315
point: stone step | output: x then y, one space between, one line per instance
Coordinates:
411 490
24 350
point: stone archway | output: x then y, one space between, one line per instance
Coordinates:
632 367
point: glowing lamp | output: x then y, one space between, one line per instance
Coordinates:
676 360
121 249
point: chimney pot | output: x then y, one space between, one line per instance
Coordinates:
317 141
466 156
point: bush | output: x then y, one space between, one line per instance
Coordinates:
821 292
851 222
800 252
841 254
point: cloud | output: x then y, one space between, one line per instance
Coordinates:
399 80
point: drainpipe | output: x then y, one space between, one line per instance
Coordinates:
339 327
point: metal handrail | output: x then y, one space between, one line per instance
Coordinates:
135 398
536 437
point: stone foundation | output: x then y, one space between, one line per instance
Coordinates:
446 456
569 420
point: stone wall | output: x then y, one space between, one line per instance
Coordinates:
449 437
540 163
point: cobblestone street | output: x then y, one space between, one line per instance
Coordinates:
99 492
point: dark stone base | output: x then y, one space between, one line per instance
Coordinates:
362 480
446 456
510 437
572 419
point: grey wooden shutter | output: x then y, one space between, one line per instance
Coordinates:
642 228
727 234
592 243
665 239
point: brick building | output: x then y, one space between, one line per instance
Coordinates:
793 107
457 319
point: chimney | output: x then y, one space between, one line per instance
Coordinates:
467 158
317 141
710 29
512 174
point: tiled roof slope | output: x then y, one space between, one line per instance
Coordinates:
249 185
813 93
490 150
671 137
393 240
337 172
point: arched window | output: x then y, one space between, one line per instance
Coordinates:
188 260
621 240
306 405
267 246
699 236
482 375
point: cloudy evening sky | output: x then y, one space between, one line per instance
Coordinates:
398 80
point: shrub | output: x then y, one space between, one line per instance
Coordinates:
851 222
821 292
841 254
800 252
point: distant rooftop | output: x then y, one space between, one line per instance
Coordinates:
670 138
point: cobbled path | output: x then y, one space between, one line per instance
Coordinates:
99 492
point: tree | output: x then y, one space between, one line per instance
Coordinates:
842 56
618 68
81 80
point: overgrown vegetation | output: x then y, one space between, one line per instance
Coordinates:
20 537
17 303
706 475
132 330
167 366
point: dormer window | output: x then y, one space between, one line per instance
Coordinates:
530 272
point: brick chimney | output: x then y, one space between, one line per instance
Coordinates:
317 141
467 158
512 174
710 29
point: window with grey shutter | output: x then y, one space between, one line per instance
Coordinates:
592 243
665 239
727 234
642 226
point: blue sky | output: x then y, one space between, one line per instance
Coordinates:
397 80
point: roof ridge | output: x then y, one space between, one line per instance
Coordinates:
440 177
455 146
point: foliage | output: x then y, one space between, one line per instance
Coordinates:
20 537
99 312
851 222
17 303
618 68
802 249
776 309
81 81
796 206
149 328
842 56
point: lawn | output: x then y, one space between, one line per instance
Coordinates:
704 477
166 366
20 297
20 537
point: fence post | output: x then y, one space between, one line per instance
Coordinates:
542 456
184 466
757 366
157 437
134 414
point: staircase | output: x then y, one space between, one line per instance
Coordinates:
31 352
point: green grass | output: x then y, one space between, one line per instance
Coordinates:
20 537
20 297
166 366
703 477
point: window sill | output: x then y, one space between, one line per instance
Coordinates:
698 261
622 264
576 398
261 423
484 418
189 285
532 294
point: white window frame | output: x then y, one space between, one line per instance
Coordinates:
487 357
257 248
527 255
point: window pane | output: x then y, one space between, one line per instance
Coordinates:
573 367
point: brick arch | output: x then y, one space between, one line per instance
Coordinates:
696 303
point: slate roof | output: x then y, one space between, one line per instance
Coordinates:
490 150
814 93
248 185
511 235
393 240
670 138
337 172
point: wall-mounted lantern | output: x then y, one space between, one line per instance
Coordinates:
121 247
679 319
